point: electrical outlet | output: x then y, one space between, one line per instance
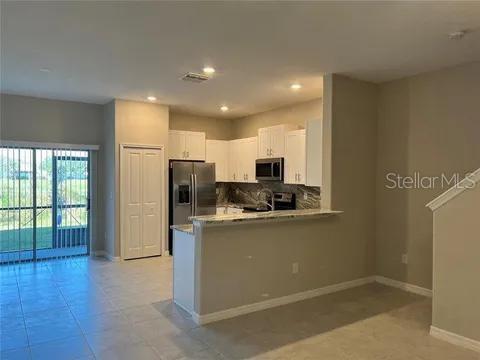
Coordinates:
295 268
404 258
305 196
217 191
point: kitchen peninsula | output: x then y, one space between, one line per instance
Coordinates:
259 260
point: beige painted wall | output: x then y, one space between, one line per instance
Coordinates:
108 173
215 128
353 152
24 118
138 123
428 124
456 288
251 259
293 114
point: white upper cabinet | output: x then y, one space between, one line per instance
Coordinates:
241 159
217 152
176 145
186 145
271 140
295 162
248 155
314 153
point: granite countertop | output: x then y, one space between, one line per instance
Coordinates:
186 228
267 215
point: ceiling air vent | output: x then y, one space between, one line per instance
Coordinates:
198 78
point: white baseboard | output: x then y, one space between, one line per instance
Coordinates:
262 305
103 253
404 286
455 339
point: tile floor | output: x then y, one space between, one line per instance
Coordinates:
88 308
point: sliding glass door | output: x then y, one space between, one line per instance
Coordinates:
45 201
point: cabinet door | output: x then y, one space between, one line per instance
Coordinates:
249 155
264 143
217 153
314 153
301 160
290 158
295 157
277 141
195 145
233 161
176 145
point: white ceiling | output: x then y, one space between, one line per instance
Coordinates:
97 51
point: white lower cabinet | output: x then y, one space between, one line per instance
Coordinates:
295 161
217 153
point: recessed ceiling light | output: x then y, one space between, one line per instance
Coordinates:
151 98
295 86
208 70
224 108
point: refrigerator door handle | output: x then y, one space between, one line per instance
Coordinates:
195 191
192 194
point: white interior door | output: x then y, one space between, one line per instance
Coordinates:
142 192
152 202
132 223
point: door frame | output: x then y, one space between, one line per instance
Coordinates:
163 232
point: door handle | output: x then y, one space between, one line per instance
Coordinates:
196 192
192 194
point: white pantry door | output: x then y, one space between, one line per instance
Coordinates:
142 194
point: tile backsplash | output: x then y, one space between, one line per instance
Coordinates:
247 193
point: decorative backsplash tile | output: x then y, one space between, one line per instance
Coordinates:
247 193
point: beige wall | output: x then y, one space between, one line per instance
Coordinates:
249 260
428 124
108 174
138 123
456 287
353 152
24 118
293 114
217 129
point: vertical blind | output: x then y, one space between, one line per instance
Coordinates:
44 208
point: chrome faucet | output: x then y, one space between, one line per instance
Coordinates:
270 192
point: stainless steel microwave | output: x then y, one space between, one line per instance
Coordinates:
269 169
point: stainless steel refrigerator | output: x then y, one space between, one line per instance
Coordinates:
192 192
